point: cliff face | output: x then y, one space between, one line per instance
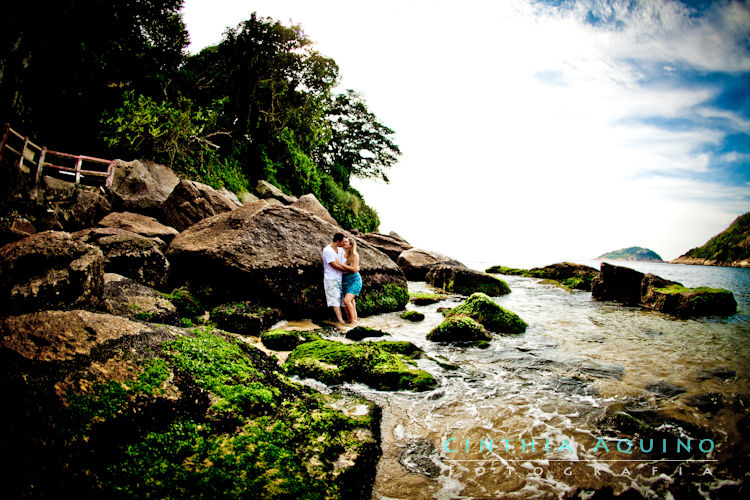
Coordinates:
730 248
633 254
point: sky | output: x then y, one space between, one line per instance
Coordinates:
534 132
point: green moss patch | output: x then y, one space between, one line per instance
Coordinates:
489 314
459 328
423 298
412 316
281 340
510 271
223 368
391 297
335 363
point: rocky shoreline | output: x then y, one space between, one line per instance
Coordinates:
138 341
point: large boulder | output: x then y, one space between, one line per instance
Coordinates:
129 254
49 270
617 283
88 207
309 203
124 297
271 255
266 190
392 246
630 287
683 302
141 224
416 263
568 274
100 406
142 186
191 202
465 281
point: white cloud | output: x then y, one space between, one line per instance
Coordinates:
522 129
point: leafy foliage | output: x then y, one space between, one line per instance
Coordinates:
731 245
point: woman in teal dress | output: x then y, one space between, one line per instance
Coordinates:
351 283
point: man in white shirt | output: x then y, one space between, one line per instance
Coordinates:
333 269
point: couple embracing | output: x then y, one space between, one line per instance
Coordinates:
341 278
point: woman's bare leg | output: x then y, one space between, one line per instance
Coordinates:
350 307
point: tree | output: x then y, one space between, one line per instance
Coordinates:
65 63
359 145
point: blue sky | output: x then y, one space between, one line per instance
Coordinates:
538 131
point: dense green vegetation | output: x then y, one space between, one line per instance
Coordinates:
730 246
260 105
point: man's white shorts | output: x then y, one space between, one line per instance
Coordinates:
333 292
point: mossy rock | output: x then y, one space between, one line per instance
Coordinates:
459 328
401 347
424 298
391 297
510 271
414 316
363 332
281 340
244 318
489 314
176 414
334 362
691 302
188 304
465 281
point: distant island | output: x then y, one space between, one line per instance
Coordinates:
730 248
633 253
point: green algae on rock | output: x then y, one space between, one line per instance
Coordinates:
390 297
166 413
281 340
465 281
689 302
489 314
334 362
424 298
459 328
412 316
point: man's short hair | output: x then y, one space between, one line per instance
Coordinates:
338 237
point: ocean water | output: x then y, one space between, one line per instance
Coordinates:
557 386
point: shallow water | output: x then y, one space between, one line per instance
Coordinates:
578 360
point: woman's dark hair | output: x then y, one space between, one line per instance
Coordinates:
338 237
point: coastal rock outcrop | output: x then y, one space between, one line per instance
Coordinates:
142 186
729 248
267 191
270 254
244 318
191 202
309 203
465 281
129 254
569 274
49 270
392 246
416 263
631 287
124 297
102 406
141 224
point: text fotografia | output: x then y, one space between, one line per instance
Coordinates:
463 447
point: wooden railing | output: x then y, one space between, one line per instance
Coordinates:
68 167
